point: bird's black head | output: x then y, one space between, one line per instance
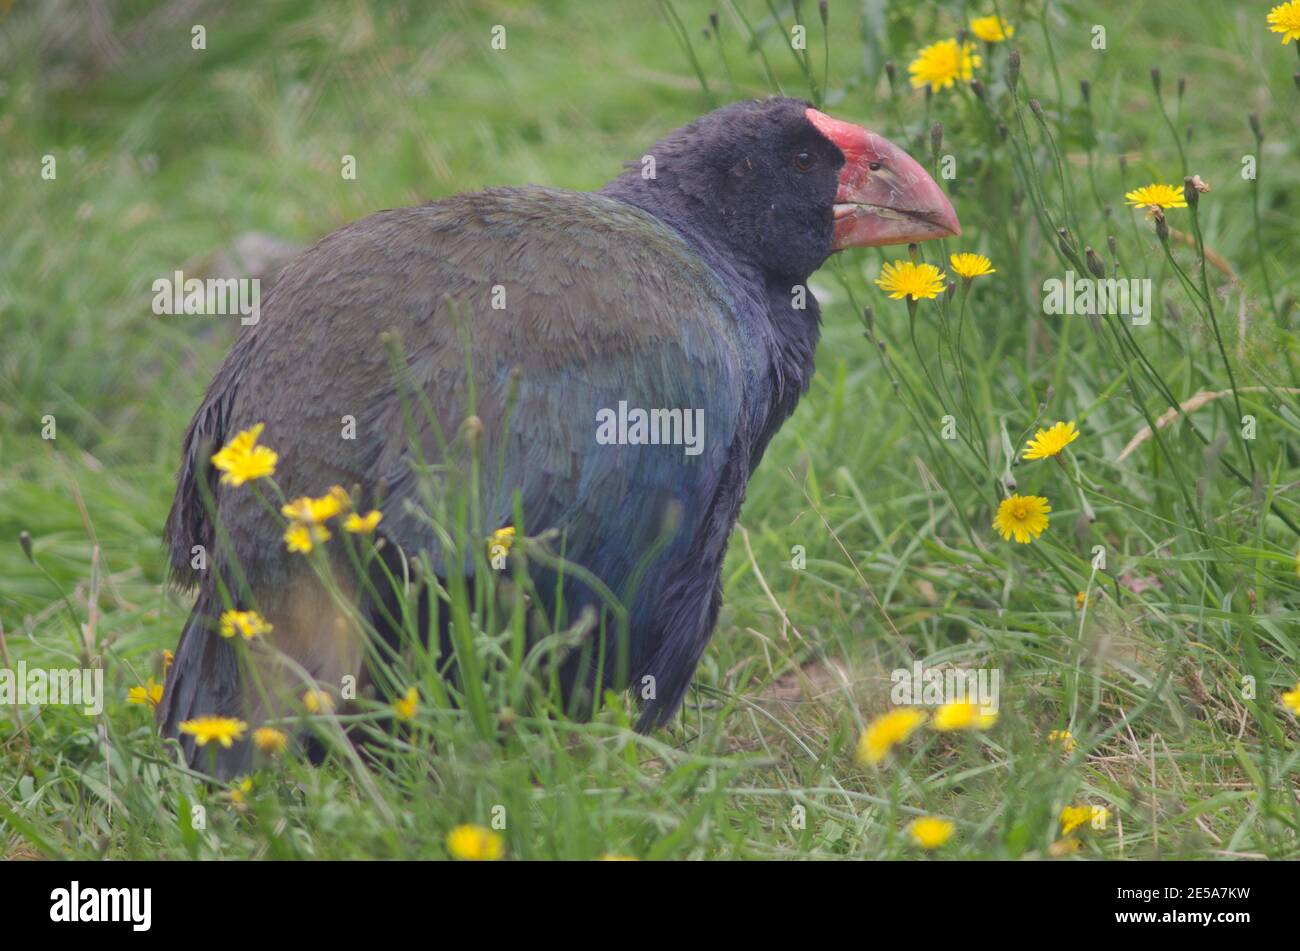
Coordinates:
779 185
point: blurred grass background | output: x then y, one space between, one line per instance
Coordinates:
167 156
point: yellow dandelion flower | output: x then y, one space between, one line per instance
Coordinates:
475 844
168 657
1080 600
247 624
1074 817
149 695
317 701
1025 517
941 64
971 265
317 511
240 789
962 716
905 279
887 731
243 460
307 517
1292 700
404 709
504 537
1156 196
1049 442
302 537
930 832
1285 19
992 29
1062 738
224 730
359 524
270 740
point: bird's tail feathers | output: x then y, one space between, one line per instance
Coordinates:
204 681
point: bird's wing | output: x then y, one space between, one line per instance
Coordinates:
574 302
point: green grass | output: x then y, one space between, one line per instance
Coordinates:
166 155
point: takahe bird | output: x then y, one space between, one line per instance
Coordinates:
676 286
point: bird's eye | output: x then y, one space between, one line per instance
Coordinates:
804 161
874 166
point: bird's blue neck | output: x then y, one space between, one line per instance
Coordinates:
777 312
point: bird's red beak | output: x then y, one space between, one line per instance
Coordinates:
885 196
